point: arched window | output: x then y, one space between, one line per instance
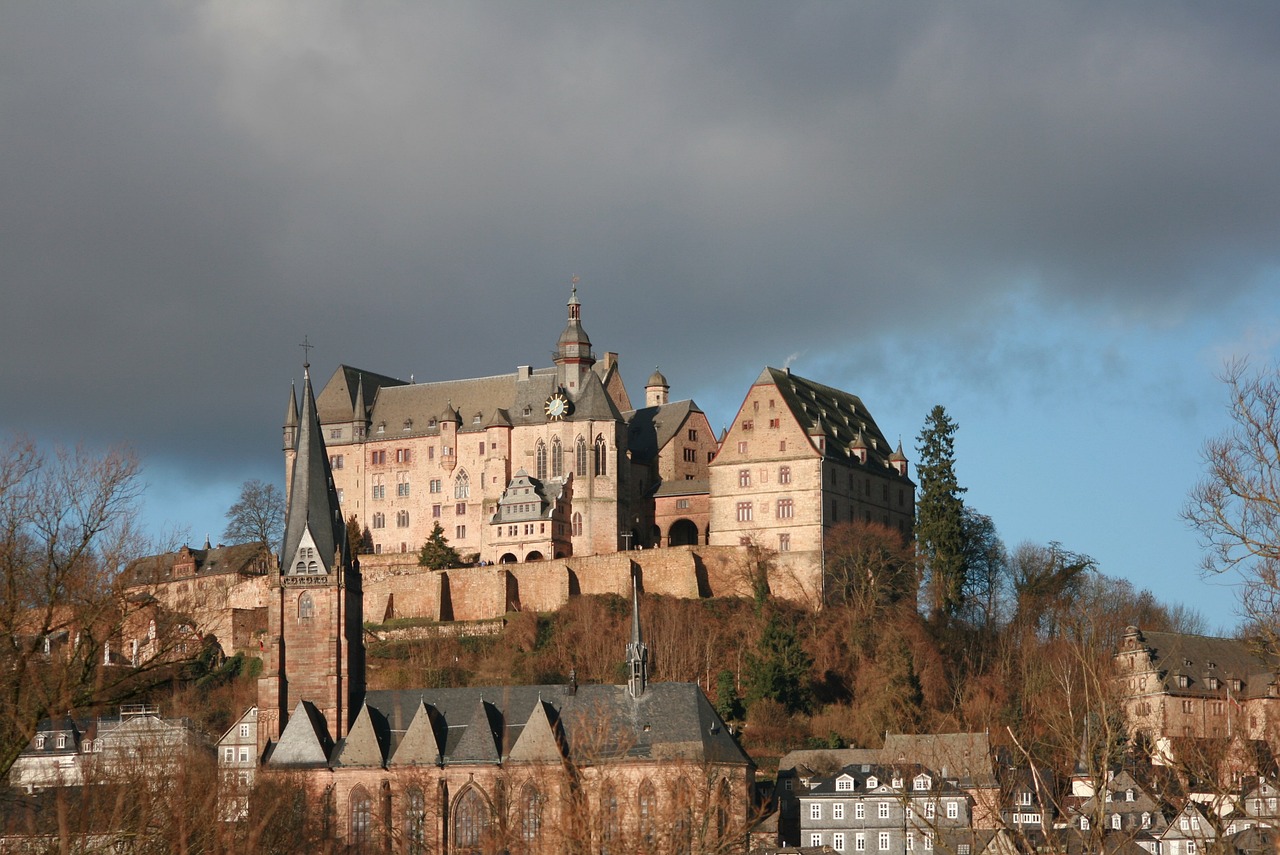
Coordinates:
577 523
580 455
681 819
379 520
306 608
557 458
610 820
415 821
462 485
722 810
530 815
647 807
540 461
361 818
602 457
402 519
151 632
470 822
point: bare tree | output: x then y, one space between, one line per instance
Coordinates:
1236 505
67 531
257 516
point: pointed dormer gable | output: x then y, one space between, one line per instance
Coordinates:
921 782
305 741
367 743
313 507
479 744
872 782
420 747
845 783
305 560
538 742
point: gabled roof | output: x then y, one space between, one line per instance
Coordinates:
368 742
305 741
338 398
538 742
838 416
420 745
249 559
965 757
483 737
649 429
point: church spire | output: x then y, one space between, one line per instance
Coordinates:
637 650
313 518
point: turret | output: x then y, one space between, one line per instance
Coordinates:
637 651
291 421
898 460
655 391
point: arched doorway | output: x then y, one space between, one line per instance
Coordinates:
507 558
683 533
533 556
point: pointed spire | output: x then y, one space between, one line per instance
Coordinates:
359 413
313 518
291 420
637 651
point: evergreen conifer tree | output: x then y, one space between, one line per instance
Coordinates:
940 515
436 553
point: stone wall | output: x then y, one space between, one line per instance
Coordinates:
396 587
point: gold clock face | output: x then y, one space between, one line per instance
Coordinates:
557 406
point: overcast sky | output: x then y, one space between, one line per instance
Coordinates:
1055 219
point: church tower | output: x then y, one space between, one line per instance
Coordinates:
314 650
573 351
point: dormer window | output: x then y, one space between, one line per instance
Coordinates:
476 419
844 784
872 782
1128 795
921 782
1211 682
40 741
897 782
1236 685
1183 681
62 740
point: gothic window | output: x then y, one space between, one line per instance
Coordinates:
610 820
540 458
306 607
402 519
602 456
722 810
462 485
557 458
361 818
647 805
577 524
379 520
470 823
415 821
580 457
530 815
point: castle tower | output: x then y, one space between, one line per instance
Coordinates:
573 350
656 390
314 650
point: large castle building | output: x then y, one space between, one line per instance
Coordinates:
554 461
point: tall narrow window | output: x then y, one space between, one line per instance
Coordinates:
682 825
647 805
610 820
580 457
306 607
577 524
462 485
540 458
361 818
470 823
602 457
530 815
557 458
415 821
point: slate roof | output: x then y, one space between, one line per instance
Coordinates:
964 756
313 498
649 429
839 416
338 398
670 721
245 558
687 487
305 742
1199 657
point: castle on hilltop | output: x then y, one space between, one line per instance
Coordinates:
554 462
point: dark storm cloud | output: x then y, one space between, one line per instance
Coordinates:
187 190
